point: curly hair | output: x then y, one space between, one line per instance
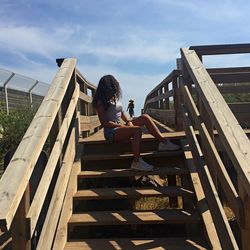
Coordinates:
107 89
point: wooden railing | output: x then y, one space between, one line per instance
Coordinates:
57 123
220 147
162 101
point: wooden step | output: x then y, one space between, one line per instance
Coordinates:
121 193
138 244
98 137
97 218
110 173
96 157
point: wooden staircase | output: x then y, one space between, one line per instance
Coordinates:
113 207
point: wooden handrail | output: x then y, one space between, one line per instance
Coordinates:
44 183
22 164
232 135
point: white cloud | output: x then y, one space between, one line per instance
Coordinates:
136 45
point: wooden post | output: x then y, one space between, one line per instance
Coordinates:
19 230
178 101
245 229
166 100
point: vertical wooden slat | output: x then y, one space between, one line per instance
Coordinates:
245 229
19 226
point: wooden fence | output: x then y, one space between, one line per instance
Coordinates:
57 123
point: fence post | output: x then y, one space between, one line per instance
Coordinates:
19 230
245 229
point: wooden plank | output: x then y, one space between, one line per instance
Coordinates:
242 107
121 193
54 210
231 78
102 157
45 181
89 122
134 217
5 240
19 227
160 97
99 137
110 173
228 70
227 238
138 244
231 134
162 114
201 202
221 49
162 126
85 98
25 157
245 229
62 229
167 80
237 89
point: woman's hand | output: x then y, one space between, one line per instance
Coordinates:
130 124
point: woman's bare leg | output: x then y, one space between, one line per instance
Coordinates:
151 127
130 133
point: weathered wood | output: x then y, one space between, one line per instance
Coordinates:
19 227
99 137
62 229
232 135
227 238
121 193
53 213
138 244
24 159
214 161
85 98
231 78
228 70
110 173
201 202
130 155
45 181
245 229
134 217
88 123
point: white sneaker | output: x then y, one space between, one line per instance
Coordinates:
167 146
141 165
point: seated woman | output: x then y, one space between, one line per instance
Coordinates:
110 113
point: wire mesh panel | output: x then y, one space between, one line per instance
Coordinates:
17 90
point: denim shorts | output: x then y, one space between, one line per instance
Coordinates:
109 134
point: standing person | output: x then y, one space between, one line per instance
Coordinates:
130 108
110 113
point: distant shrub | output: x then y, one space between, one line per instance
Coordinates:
13 127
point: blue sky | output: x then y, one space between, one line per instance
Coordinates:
137 41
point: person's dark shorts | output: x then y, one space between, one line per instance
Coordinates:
109 134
